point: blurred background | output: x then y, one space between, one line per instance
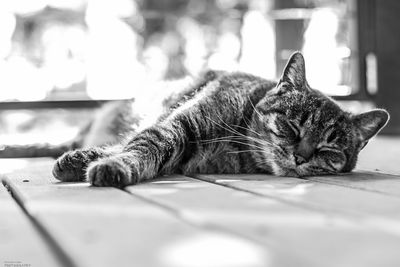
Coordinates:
60 59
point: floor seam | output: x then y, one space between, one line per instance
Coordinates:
59 253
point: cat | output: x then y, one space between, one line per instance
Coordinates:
234 123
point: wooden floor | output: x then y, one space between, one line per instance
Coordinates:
205 220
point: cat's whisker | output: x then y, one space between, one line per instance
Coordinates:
247 129
216 139
249 138
244 151
258 143
235 141
262 142
254 108
230 129
256 140
227 125
246 121
228 138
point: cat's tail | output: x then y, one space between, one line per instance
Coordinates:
34 150
111 123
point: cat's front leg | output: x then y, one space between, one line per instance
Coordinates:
72 165
156 150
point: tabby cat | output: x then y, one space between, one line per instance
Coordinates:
234 123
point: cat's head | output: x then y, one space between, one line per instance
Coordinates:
303 132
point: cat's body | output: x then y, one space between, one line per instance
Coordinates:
233 123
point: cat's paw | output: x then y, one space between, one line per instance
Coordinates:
72 165
110 172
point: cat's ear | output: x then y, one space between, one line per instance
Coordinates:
295 71
370 123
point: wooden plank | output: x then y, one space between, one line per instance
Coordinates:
381 209
312 235
386 184
20 242
108 227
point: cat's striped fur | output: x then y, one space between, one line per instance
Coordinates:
234 123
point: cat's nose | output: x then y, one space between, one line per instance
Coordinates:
299 159
304 151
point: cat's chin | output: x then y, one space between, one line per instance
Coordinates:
291 173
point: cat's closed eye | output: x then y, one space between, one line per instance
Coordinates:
289 129
328 149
